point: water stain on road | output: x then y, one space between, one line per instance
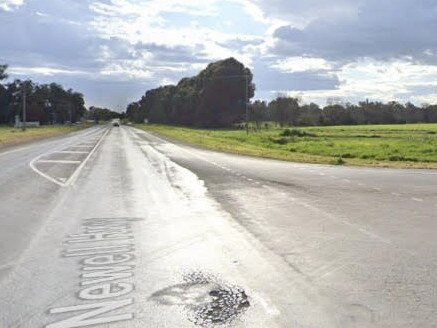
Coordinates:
207 300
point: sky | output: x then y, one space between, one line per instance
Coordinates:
320 51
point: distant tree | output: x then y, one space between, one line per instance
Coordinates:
285 110
4 102
101 114
258 113
310 115
337 114
3 74
134 113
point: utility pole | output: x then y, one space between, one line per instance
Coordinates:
24 105
246 100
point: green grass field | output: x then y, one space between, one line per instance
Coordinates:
412 145
10 136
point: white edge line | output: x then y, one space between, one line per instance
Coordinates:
74 176
48 177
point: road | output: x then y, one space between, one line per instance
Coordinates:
116 227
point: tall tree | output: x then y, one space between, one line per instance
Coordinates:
3 74
217 97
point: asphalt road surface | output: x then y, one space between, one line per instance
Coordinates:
115 227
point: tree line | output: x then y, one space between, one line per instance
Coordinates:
102 114
217 97
289 111
46 103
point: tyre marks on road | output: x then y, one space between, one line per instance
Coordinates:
63 166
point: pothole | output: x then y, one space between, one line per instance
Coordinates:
207 300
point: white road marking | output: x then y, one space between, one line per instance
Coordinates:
57 161
417 199
74 176
395 194
33 145
76 173
71 152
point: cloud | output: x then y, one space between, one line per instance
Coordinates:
355 49
299 13
9 5
270 80
302 64
47 71
382 30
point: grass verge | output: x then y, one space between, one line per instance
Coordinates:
398 146
10 136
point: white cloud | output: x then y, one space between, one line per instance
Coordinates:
9 5
124 71
301 64
300 13
143 22
398 80
46 71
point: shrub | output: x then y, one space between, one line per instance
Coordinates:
296 133
339 161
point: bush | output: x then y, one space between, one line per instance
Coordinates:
339 161
296 133
396 158
280 141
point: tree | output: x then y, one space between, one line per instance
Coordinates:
226 87
216 97
134 113
3 74
285 110
101 114
258 113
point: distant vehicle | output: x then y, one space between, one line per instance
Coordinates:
115 124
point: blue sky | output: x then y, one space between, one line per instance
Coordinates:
114 50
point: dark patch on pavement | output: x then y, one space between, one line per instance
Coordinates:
207 300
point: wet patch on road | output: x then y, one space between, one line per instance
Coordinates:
207 300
